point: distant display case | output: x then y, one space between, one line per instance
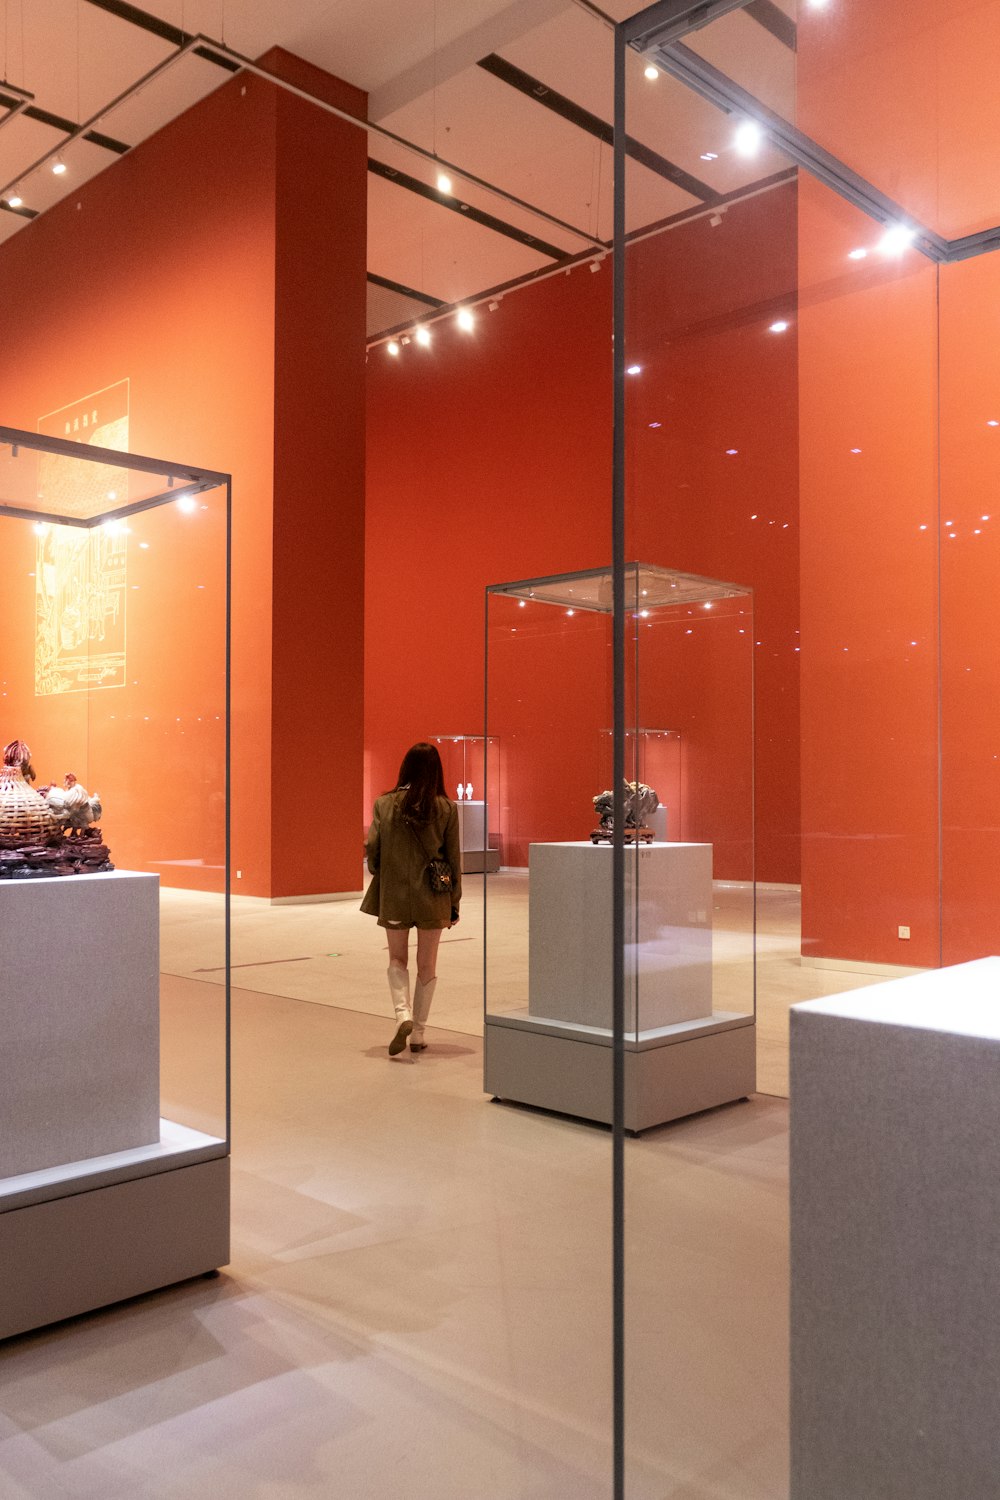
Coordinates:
472 778
114 974
689 897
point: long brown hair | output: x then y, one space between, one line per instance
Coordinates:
421 779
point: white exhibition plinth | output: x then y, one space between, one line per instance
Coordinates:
79 1017
476 857
100 1199
895 1202
680 1057
668 952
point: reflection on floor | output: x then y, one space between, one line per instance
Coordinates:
331 954
419 1299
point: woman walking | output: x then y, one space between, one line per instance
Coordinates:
416 867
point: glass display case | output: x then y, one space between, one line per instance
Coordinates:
114 880
472 777
689 897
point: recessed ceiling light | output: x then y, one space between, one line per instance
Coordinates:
187 503
465 319
779 327
634 370
655 424
859 254
731 452
15 200
896 239
993 422
443 183
748 138
423 336
58 166
392 348
710 156
652 72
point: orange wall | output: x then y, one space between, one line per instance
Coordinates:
172 269
318 539
867 355
161 270
491 456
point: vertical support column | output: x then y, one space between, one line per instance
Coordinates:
317 600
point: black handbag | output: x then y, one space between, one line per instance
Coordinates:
439 875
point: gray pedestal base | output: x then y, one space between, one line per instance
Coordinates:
73 1254
895 1201
570 1071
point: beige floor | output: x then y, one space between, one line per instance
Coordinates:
330 954
419 1298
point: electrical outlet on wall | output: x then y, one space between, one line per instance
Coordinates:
904 932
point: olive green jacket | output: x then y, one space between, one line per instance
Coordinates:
400 893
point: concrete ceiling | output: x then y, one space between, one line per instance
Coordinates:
517 93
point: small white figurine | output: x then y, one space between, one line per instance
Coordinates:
468 792
461 791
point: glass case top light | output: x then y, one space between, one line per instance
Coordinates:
57 480
656 588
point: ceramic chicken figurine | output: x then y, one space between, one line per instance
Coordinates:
72 805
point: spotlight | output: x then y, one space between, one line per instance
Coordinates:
58 166
749 138
443 183
858 254
715 219
896 239
15 200
494 306
187 503
652 72
465 319
392 348
779 327
634 370
39 528
423 336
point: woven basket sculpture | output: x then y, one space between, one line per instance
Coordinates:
24 815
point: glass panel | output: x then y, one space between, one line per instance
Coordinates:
472 776
113 840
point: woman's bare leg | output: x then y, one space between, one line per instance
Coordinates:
399 986
427 948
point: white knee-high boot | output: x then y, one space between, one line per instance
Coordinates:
422 997
399 988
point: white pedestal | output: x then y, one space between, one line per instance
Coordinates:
669 954
657 821
476 857
895 1199
79 1018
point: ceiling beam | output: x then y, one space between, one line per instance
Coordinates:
404 291
593 125
466 210
454 57
774 20
134 15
